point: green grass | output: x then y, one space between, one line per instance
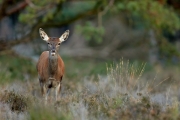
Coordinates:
84 67
19 68
16 68
47 113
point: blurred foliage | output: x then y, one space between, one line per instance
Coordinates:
33 12
150 13
14 68
168 49
91 33
71 10
19 68
84 67
154 14
57 11
146 14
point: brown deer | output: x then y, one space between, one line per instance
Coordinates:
50 66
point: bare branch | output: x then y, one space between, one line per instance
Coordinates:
17 7
6 12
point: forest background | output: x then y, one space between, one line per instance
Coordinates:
122 58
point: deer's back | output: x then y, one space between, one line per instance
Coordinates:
43 64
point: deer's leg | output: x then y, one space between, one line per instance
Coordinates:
47 93
43 90
57 89
60 85
42 87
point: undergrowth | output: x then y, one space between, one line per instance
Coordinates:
16 68
124 93
16 102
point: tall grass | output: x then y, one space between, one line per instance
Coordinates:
121 94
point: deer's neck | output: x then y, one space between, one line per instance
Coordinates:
53 65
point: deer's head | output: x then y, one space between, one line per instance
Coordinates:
53 42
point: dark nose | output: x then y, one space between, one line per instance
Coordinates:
53 50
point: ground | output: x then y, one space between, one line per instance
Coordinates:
91 89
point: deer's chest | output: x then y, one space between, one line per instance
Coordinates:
53 68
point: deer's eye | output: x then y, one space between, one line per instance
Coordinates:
59 43
49 44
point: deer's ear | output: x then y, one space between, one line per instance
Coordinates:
43 35
64 36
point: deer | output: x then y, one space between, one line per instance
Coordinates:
50 66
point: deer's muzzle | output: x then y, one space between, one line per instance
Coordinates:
53 52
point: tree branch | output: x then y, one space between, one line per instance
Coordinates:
6 12
17 8
34 30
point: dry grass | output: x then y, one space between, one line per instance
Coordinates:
124 93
